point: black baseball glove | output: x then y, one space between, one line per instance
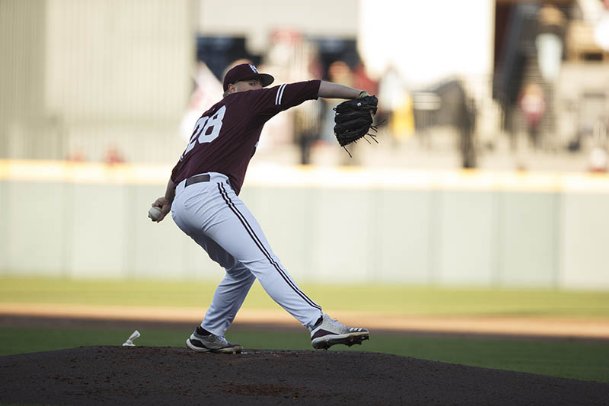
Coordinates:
353 119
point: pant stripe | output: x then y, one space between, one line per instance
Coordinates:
261 246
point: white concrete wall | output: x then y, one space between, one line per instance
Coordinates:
89 75
440 228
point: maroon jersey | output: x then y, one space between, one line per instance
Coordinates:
225 137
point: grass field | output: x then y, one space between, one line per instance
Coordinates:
386 299
587 360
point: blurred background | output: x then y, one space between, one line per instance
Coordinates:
480 84
98 98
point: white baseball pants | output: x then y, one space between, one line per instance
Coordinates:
214 216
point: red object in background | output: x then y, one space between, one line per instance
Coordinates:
362 81
113 156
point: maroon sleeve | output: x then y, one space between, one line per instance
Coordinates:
278 98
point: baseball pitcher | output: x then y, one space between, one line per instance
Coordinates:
203 197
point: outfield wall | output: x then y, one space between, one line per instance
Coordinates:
327 225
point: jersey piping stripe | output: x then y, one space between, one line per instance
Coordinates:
262 248
279 95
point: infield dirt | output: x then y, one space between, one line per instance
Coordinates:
163 376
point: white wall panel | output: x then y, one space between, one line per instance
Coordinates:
343 240
35 229
99 231
466 222
528 238
402 236
585 241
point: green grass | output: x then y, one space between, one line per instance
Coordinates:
387 299
567 359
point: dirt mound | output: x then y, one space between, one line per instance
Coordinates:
162 376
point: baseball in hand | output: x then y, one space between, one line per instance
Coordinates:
154 213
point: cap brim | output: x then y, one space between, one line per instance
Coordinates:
265 79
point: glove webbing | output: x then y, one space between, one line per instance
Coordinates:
372 135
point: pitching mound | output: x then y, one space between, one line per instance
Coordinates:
150 376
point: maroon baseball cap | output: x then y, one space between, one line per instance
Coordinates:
246 71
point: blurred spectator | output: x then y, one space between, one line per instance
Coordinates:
549 42
395 105
361 80
601 29
338 72
599 160
294 58
113 156
306 128
588 10
533 107
77 155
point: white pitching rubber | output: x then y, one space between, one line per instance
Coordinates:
133 336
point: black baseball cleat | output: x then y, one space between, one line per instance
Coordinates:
202 341
328 332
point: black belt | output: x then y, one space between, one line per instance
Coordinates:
204 177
